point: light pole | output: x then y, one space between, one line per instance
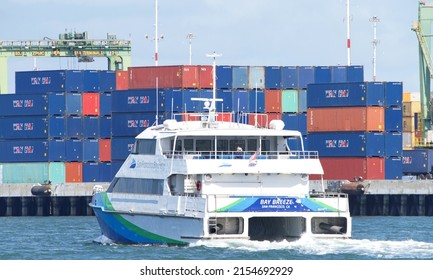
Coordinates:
156 38
374 20
190 36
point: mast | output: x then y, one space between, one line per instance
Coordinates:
212 107
348 30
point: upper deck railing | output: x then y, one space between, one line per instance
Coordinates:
246 155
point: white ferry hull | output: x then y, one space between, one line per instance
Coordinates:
263 218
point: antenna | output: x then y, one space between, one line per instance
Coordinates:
157 38
348 30
214 55
190 36
374 20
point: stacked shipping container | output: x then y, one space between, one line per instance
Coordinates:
356 127
88 112
59 123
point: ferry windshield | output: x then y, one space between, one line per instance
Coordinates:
144 147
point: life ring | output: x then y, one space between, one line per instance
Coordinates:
198 185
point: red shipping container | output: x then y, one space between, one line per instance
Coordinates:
224 117
122 78
346 119
190 117
73 172
167 77
105 150
205 76
190 76
262 119
91 104
273 101
347 168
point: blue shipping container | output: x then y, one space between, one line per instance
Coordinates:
224 77
393 119
105 104
393 144
173 101
302 101
190 105
90 150
338 74
256 101
393 168
91 127
23 105
240 77
137 101
345 95
289 77
322 74
272 77
355 73
418 161
92 172
130 124
73 104
105 127
107 80
306 76
90 81
121 147
295 122
30 150
240 101
74 150
74 127
56 103
48 81
105 172
393 93
347 144
56 127
23 127
57 150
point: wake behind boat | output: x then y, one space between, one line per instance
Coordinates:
209 178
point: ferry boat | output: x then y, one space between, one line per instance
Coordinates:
211 178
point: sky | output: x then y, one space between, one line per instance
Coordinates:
245 32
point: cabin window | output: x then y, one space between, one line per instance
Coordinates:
266 145
137 186
188 144
237 143
222 145
145 147
203 145
252 145
178 147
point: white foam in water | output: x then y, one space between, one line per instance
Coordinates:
308 245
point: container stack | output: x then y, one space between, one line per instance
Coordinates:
353 126
412 135
57 127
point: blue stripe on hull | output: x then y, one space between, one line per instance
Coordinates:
118 229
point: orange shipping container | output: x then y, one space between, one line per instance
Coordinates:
122 78
273 101
347 168
91 104
345 119
105 150
205 77
74 172
181 76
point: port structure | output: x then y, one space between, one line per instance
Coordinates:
72 44
423 28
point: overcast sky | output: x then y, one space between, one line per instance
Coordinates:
245 32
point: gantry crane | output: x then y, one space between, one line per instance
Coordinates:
423 28
72 44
